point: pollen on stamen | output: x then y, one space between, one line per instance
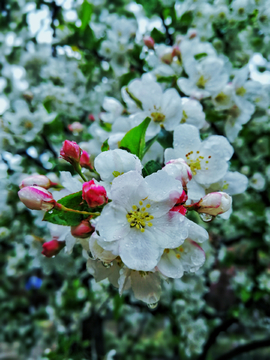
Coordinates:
207 162
178 256
140 202
197 152
150 224
142 230
209 157
143 209
134 207
148 206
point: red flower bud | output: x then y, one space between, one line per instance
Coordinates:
83 230
91 117
71 152
85 160
149 42
94 194
36 198
52 248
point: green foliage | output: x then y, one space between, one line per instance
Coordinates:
151 167
165 138
158 36
73 201
85 13
134 140
105 146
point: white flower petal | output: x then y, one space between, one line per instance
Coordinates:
146 287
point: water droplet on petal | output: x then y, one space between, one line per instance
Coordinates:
50 212
153 305
106 265
206 217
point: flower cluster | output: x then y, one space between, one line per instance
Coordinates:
134 227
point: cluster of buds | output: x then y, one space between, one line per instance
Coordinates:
72 153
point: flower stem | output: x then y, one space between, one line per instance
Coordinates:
63 208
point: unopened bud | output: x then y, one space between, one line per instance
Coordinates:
36 198
83 230
149 42
94 194
36 180
214 203
85 160
176 51
52 248
91 117
75 127
179 169
71 152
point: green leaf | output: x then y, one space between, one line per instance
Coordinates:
134 140
151 167
105 146
158 36
165 138
167 79
72 201
85 13
199 56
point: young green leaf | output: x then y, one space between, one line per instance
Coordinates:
134 140
72 201
105 146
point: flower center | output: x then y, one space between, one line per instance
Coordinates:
138 217
157 116
195 163
184 117
241 91
201 82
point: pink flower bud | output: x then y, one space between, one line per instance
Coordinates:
75 127
214 203
71 152
94 194
149 42
91 117
36 180
52 248
36 198
83 230
85 160
179 169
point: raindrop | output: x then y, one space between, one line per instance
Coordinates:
50 212
153 306
107 265
206 217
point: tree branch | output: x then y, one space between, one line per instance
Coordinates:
245 348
